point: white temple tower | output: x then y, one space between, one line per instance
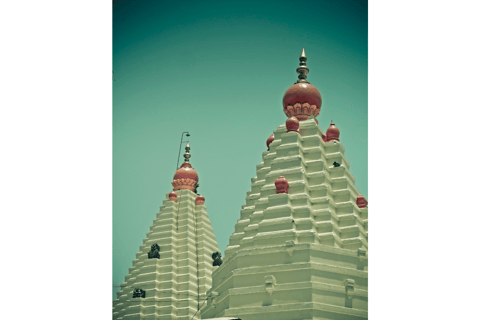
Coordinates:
299 249
173 269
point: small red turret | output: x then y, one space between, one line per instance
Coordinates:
172 196
361 201
199 200
292 124
269 141
281 184
333 133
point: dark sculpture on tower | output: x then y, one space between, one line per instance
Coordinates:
154 252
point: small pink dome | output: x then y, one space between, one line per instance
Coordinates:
361 201
333 133
270 140
172 196
199 200
292 124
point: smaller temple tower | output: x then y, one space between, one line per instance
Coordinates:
173 269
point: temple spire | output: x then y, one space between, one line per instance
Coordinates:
302 70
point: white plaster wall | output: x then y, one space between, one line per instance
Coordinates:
300 255
176 283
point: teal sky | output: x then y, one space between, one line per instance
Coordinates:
219 71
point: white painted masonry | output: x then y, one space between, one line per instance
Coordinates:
176 284
301 255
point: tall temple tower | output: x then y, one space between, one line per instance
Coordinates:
299 249
173 269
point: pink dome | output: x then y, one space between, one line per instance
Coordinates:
333 133
199 200
292 124
172 196
270 140
361 201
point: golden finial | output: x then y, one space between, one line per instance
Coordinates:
302 70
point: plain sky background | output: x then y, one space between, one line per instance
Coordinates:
56 159
218 70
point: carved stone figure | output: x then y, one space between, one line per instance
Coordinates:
138 293
154 252
336 164
217 258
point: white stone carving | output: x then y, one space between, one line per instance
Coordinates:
349 287
270 283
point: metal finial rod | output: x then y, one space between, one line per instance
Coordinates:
303 55
180 148
302 70
187 154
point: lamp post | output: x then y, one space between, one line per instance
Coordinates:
180 149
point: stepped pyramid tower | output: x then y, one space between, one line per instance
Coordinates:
299 249
172 271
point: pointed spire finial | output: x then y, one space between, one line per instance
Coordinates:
187 155
303 55
302 70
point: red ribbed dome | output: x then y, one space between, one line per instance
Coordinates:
333 133
185 177
302 92
186 172
302 100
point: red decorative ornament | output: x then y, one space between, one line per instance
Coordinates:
302 100
292 124
186 172
361 201
269 141
281 184
333 133
172 196
199 200
185 178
